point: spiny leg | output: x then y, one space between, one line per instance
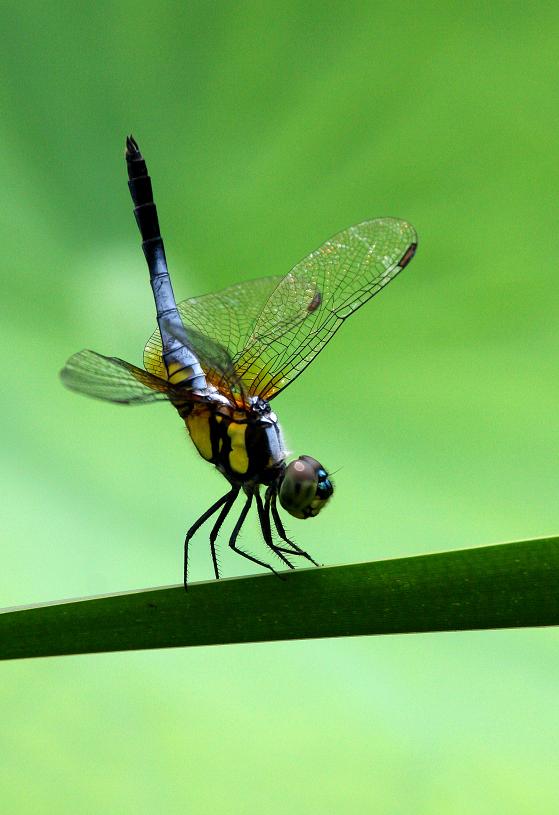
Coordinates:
264 516
232 496
271 498
196 526
235 533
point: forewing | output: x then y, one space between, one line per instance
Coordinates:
112 379
307 306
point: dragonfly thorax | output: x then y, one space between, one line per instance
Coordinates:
245 444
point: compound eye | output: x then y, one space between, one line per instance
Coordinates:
305 488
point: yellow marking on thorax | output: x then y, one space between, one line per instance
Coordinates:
238 457
198 424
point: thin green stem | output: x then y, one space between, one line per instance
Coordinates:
505 586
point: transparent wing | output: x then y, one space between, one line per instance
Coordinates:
112 379
217 327
306 307
257 336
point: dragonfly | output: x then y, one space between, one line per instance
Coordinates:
221 359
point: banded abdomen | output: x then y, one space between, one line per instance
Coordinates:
181 364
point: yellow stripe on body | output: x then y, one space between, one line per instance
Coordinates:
177 373
198 424
238 457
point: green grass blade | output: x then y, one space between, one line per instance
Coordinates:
504 586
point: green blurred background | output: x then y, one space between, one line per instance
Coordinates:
268 127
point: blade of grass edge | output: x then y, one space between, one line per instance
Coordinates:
501 586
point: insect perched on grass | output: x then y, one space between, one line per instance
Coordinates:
220 359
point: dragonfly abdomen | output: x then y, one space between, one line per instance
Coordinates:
182 365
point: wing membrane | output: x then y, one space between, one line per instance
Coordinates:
112 379
257 336
307 307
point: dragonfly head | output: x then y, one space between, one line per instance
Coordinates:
305 487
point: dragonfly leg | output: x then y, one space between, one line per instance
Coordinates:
235 534
295 550
264 516
229 496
